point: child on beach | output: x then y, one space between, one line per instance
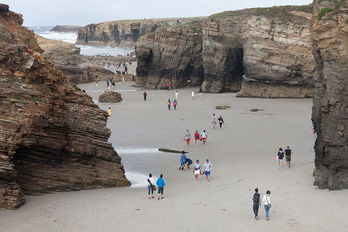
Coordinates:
221 121
182 161
267 203
207 169
188 137
160 184
213 121
174 104
196 137
204 136
145 95
109 111
151 186
197 169
280 156
193 95
169 103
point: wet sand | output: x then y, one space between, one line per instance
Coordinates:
243 157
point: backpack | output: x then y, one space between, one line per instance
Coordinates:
256 198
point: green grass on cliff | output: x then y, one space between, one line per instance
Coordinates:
281 12
323 12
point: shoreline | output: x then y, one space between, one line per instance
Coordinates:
242 154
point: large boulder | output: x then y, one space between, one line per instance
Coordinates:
110 97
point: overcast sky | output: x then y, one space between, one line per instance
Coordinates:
82 12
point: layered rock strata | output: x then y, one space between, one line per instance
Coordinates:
52 136
264 52
330 108
122 32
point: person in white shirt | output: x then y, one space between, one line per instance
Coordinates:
204 136
267 203
197 169
207 169
213 121
193 95
151 186
176 95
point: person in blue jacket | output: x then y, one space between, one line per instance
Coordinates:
160 184
182 161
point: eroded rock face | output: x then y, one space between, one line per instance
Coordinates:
122 32
110 97
172 55
330 108
67 59
52 137
251 50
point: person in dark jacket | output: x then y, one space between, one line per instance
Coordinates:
256 203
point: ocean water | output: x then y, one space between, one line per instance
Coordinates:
85 49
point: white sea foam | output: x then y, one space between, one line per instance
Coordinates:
136 150
137 180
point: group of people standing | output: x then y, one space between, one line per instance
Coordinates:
151 187
198 137
197 168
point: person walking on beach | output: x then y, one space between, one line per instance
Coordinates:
267 203
196 135
174 104
280 157
193 95
204 136
207 169
176 95
145 95
169 104
256 203
197 169
188 137
213 121
288 153
151 186
182 161
221 121
109 111
160 184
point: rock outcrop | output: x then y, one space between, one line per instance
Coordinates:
67 58
172 55
330 108
110 97
52 136
264 52
65 28
122 32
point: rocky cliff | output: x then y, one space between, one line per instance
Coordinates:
52 136
264 52
67 58
122 32
330 108
65 28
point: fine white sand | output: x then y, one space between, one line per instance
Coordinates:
243 157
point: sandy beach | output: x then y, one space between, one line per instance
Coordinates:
243 157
